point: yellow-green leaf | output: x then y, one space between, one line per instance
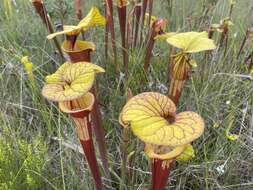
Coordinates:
231 137
93 18
192 42
70 81
187 154
148 115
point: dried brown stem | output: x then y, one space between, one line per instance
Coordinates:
137 22
122 22
41 10
78 9
109 18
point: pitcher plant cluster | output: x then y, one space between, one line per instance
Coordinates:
151 116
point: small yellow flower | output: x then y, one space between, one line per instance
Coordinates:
232 2
70 81
24 59
28 66
93 18
231 137
216 125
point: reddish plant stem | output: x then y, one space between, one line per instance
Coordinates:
143 13
150 44
78 9
106 32
149 48
100 134
150 7
160 173
143 10
171 52
122 23
176 88
137 22
42 12
109 18
90 156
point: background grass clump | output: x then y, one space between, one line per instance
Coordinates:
34 134
22 162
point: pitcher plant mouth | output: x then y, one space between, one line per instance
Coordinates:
78 47
79 52
79 107
163 152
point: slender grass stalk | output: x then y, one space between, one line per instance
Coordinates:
129 28
143 13
232 4
107 28
125 138
41 10
243 42
122 8
61 157
100 135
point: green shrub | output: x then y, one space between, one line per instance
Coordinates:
22 164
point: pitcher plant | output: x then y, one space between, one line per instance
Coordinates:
153 119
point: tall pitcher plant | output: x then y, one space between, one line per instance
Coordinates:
69 86
80 51
181 61
167 135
